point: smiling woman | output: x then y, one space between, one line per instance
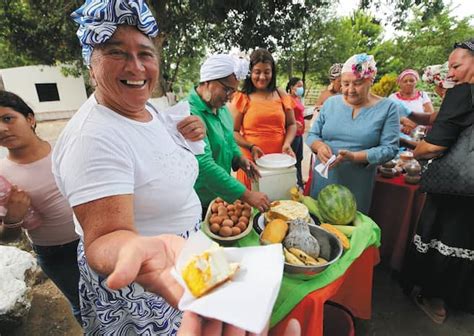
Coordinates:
357 127
124 70
264 121
128 181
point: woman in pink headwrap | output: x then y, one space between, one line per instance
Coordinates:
416 105
416 101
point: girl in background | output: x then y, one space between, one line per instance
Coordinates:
28 168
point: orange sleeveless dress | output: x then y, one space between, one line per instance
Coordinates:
263 124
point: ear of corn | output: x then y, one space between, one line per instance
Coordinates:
346 229
342 238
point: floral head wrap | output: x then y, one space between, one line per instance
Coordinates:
361 65
219 66
98 20
335 71
437 75
407 72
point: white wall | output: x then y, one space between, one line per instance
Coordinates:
22 80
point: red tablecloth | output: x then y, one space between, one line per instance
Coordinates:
353 290
396 208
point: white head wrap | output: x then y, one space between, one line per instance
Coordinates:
220 65
361 65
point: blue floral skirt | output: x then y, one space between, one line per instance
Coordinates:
128 311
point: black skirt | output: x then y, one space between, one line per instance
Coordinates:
441 257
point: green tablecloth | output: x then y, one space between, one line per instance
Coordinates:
292 291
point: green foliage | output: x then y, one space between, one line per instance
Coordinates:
322 42
385 86
40 31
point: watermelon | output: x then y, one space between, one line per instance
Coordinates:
337 204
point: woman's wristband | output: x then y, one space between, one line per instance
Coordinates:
11 225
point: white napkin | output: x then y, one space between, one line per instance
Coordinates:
323 169
247 300
172 117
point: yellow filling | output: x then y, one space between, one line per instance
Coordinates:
196 277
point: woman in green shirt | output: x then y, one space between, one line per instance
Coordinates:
219 80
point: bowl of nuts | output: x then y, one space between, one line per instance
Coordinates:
226 222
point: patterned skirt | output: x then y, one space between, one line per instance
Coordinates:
128 311
441 258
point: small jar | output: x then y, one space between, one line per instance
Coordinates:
413 168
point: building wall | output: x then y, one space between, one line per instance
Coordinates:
22 80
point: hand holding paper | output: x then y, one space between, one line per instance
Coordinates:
323 169
260 275
173 116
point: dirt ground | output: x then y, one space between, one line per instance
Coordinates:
50 315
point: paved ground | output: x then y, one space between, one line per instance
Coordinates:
394 314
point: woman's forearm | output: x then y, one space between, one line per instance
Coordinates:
241 140
102 253
360 157
290 134
425 150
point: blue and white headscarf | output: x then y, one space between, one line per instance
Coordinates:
98 20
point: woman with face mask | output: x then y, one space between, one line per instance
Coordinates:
441 258
358 128
296 91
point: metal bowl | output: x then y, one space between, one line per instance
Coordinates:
331 250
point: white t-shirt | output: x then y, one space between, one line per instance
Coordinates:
101 153
414 104
57 227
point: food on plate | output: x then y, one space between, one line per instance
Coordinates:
339 235
228 220
287 210
291 258
300 237
337 204
208 270
297 257
275 231
301 255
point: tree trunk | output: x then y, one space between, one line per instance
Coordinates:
160 88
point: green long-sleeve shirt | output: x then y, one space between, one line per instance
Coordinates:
215 164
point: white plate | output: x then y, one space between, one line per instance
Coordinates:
276 160
259 222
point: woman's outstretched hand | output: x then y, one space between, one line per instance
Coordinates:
149 261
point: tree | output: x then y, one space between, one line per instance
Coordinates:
426 42
38 31
322 43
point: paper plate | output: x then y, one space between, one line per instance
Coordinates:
275 161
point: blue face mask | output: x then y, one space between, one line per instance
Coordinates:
299 91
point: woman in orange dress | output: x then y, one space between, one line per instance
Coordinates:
264 121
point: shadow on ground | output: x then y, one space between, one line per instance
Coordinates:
394 314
